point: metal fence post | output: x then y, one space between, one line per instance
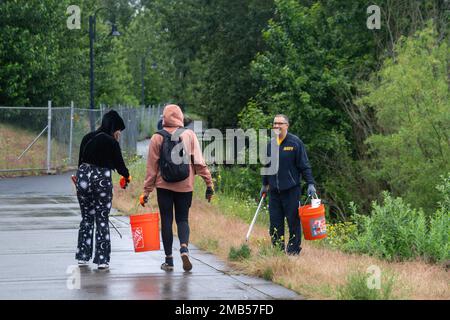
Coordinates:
49 136
71 133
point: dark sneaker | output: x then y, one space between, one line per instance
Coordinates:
83 263
187 265
103 266
168 265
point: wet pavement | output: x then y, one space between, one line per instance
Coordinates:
39 218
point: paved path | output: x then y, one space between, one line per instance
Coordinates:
39 219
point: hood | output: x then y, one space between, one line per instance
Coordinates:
173 116
111 122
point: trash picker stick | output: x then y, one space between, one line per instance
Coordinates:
254 218
116 229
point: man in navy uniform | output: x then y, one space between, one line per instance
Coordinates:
283 186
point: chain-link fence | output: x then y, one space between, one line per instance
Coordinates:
48 139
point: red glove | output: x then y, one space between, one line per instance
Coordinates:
74 179
124 182
143 199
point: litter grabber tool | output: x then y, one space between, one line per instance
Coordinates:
254 218
116 229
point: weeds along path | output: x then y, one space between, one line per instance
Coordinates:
318 272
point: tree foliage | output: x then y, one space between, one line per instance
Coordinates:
411 99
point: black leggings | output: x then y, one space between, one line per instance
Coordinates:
167 200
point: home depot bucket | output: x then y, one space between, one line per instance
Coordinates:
145 231
313 221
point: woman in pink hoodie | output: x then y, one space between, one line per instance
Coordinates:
176 195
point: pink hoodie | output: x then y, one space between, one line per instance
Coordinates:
172 119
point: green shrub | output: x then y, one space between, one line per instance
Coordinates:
240 182
393 231
437 246
268 274
239 254
339 234
444 190
357 288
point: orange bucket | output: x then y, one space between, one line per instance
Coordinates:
145 231
313 222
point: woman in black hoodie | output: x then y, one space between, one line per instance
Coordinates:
99 154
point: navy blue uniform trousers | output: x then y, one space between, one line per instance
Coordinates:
283 205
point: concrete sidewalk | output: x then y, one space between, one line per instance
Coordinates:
38 236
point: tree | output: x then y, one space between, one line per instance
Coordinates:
411 99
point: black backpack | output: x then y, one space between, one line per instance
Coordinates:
170 171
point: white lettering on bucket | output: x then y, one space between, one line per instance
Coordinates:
318 227
138 238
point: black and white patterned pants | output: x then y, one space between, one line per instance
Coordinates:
94 192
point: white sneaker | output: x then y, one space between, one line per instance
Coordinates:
103 266
82 263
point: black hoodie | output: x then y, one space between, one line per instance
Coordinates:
101 149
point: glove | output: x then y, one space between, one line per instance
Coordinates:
74 179
124 182
311 190
143 199
264 190
209 193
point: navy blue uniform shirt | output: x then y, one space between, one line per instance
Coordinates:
293 164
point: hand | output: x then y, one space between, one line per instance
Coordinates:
209 193
143 199
74 179
124 182
311 190
264 190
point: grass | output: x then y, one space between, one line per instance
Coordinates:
239 254
318 273
13 141
357 288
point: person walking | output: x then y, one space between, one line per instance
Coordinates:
283 186
174 180
100 153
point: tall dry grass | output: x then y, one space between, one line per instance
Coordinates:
316 274
14 140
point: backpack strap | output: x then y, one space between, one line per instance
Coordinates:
166 134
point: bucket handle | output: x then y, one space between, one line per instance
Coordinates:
136 208
317 197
